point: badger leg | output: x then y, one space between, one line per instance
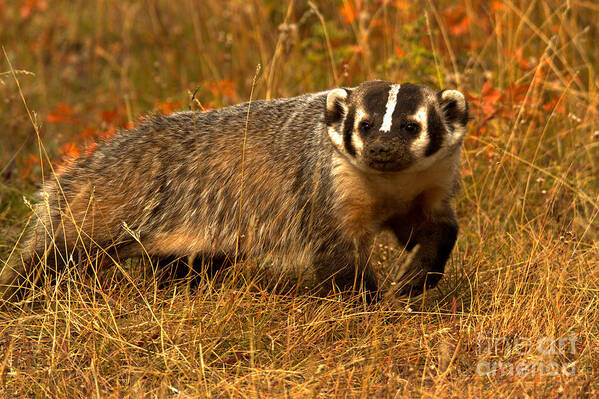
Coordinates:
435 237
172 268
348 269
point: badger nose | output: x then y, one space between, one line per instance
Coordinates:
380 151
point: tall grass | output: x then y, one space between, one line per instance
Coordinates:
525 270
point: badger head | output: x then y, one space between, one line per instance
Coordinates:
385 127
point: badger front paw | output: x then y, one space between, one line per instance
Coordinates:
417 273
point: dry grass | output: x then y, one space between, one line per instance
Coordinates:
525 269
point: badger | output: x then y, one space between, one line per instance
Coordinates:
305 180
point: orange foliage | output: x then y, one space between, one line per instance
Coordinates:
349 10
457 21
489 93
110 116
62 113
69 152
517 54
31 161
488 102
555 105
402 5
168 107
91 148
88 132
28 7
517 93
460 28
223 88
493 103
108 133
498 6
356 48
486 106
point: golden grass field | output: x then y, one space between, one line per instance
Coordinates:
517 314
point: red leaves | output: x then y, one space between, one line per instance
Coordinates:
168 107
223 88
516 94
507 103
91 148
69 150
517 54
461 27
399 51
457 20
498 6
493 100
487 106
90 126
489 93
99 126
88 133
30 161
349 10
28 7
110 116
63 113
488 103
490 97
91 136
555 105
402 5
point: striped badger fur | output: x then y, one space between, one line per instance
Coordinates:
306 180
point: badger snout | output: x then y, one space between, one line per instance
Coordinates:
386 155
381 152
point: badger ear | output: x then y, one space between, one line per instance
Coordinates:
454 107
336 106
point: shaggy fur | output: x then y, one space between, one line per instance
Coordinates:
301 181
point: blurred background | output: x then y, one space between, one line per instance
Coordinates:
73 72
88 68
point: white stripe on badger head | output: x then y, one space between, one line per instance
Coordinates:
419 145
391 103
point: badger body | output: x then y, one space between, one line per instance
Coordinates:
307 180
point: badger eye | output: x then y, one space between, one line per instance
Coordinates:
412 127
364 126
